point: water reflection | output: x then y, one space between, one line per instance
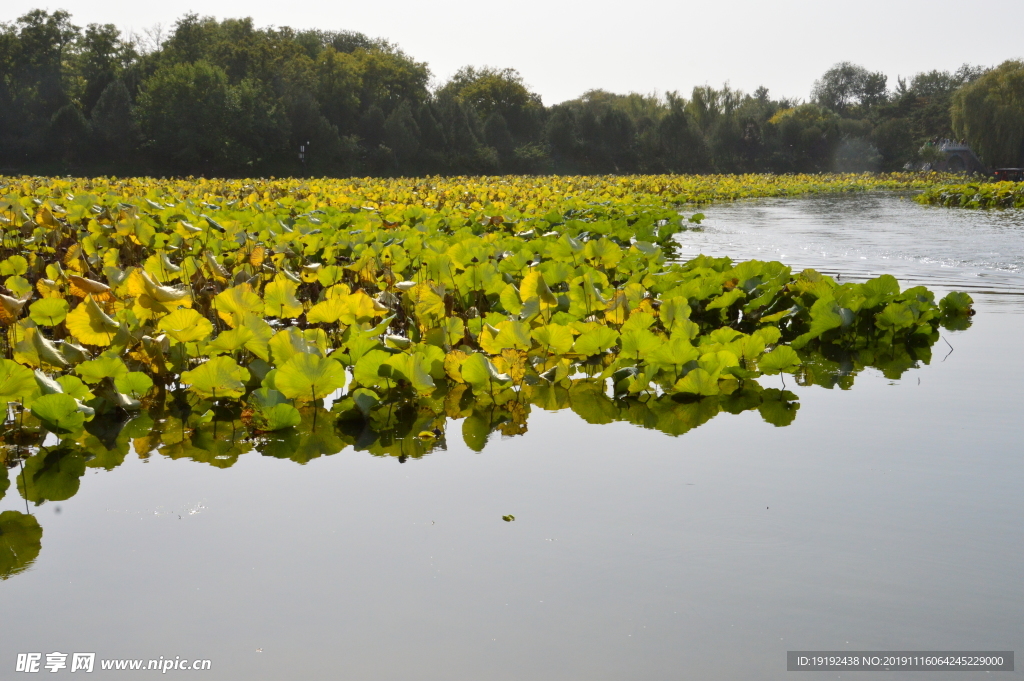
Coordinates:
177 425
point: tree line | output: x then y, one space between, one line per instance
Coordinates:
228 98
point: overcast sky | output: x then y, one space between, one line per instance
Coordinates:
565 48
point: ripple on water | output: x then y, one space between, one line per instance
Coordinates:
860 236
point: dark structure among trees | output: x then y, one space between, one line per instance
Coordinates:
228 98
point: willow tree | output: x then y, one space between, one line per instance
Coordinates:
989 114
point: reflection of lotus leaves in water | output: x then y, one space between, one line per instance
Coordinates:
20 542
52 474
397 422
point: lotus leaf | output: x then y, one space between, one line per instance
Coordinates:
48 311
308 377
90 324
134 384
59 412
95 370
782 358
218 378
186 326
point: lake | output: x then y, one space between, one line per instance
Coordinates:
884 517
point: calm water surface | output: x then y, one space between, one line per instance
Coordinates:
888 516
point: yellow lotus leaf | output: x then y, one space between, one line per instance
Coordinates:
280 301
259 344
328 311
186 326
362 308
238 300
221 377
337 291
81 287
453 365
426 301
258 255
140 284
90 324
534 286
48 288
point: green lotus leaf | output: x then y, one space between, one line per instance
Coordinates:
46 350
697 382
265 398
481 374
48 311
218 378
73 386
638 343
676 352
554 338
825 316
13 265
59 412
308 377
16 381
185 325
716 362
47 386
782 358
366 370
20 542
229 341
534 286
596 341
277 417
956 303
19 286
894 317
134 383
365 400
414 368
95 370
879 291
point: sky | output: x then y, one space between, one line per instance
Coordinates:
563 48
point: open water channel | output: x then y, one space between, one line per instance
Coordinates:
885 517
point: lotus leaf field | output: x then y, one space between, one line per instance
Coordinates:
975 195
204 318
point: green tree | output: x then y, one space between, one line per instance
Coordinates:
989 114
